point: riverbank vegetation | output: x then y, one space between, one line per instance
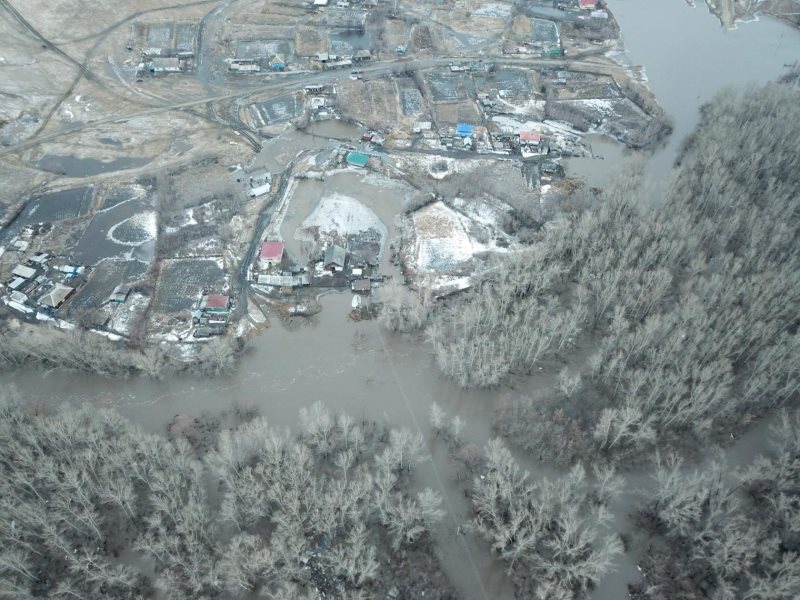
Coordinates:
706 535
667 324
93 507
83 350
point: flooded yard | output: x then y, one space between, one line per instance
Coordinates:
357 368
368 197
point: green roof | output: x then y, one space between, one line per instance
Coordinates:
357 158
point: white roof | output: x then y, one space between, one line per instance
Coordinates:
23 271
320 2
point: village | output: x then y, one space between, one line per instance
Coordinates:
396 128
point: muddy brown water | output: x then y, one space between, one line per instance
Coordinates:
357 368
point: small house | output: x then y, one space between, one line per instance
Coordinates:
277 63
464 130
271 254
587 4
56 295
530 138
335 258
260 182
361 286
357 159
215 303
24 272
362 55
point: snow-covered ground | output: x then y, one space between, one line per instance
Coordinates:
443 240
134 231
123 315
343 215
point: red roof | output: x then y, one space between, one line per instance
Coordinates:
589 3
272 251
530 136
217 301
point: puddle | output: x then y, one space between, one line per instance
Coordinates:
71 166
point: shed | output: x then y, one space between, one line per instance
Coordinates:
56 295
357 159
17 283
215 303
587 4
271 254
464 130
361 286
18 296
120 293
24 272
530 138
165 65
335 258
259 178
320 2
277 62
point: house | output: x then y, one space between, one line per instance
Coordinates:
120 293
24 272
362 55
314 88
271 254
421 126
277 63
530 138
215 303
361 286
357 159
464 130
56 295
335 258
587 4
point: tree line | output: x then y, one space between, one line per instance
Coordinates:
93 507
684 312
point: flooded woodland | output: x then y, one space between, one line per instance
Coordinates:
392 378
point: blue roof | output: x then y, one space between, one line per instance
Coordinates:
463 129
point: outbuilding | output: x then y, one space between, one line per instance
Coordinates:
361 286
357 159
24 272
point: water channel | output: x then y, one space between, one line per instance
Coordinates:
357 368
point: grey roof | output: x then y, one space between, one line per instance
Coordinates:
56 295
335 255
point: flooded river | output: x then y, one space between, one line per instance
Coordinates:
357 368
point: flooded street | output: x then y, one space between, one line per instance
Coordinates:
359 369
